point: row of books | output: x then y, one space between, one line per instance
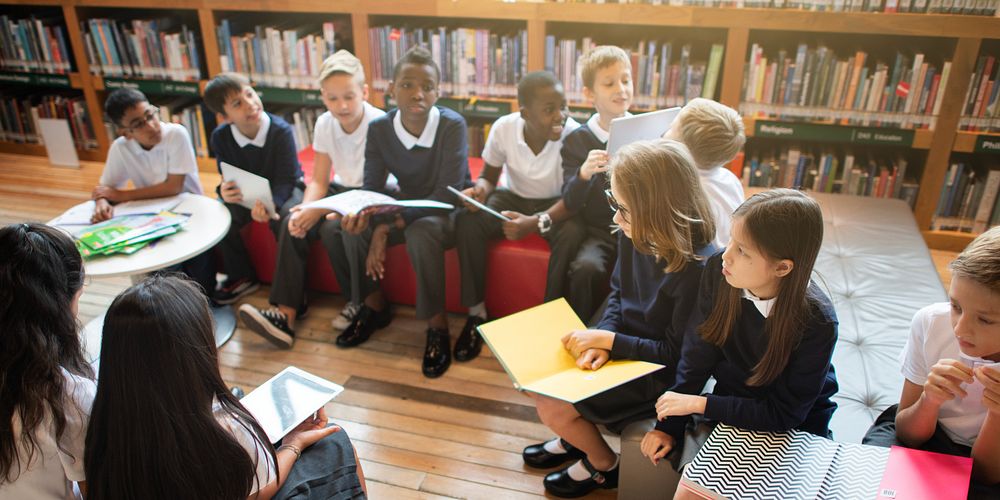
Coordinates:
192 116
303 121
476 62
798 85
276 57
965 7
19 117
981 111
662 77
151 49
33 45
968 200
817 169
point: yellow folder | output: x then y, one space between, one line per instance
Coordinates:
529 346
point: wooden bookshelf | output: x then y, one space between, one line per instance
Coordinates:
965 33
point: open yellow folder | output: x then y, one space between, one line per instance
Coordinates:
529 346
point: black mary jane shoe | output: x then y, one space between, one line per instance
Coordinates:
561 485
469 342
538 457
437 353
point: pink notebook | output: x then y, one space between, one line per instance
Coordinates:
919 475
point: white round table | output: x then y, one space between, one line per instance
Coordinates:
207 226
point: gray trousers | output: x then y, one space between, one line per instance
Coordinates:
590 265
426 238
475 230
234 251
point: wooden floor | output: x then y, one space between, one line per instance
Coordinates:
459 436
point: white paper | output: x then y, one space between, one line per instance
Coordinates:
58 142
354 201
81 214
644 127
285 400
253 187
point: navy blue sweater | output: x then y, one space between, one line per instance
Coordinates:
648 309
585 198
423 173
277 161
798 399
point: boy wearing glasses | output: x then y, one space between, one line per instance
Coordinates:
157 157
262 144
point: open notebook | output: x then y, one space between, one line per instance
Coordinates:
287 399
529 346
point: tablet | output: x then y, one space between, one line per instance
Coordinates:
474 202
253 186
285 400
644 127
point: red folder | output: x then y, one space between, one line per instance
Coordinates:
918 475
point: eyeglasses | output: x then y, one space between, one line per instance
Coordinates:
152 113
615 206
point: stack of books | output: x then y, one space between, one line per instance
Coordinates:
981 109
828 171
19 118
814 84
127 234
968 201
476 62
273 57
33 45
154 49
663 77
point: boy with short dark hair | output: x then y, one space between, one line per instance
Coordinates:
424 146
158 159
262 144
527 144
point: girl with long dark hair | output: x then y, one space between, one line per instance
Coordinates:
46 385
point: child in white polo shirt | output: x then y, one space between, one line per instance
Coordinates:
527 145
157 157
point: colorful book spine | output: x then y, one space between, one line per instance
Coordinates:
19 118
969 198
273 57
960 7
147 49
981 108
33 45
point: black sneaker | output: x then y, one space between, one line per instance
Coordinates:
235 290
364 325
270 324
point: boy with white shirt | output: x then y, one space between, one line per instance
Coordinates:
157 158
714 134
262 144
527 144
339 142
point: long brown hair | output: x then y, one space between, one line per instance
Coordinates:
670 216
781 224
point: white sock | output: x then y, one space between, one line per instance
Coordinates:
555 447
479 310
578 472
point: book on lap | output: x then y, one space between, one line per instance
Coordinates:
358 200
288 398
529 346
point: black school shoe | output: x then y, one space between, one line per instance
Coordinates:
271 324
469 341
232 292
538 457
364 325
561 485
437 354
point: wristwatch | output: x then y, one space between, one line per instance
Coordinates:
544 222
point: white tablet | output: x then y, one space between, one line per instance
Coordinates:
644 127
285 400
253 186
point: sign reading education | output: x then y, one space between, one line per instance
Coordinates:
833 133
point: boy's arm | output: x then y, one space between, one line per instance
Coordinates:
376 169
287 170
986 449
916 418
452 171
173 185
575 188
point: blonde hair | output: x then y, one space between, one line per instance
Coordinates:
669 214
712 132
980 261
344 63
598 58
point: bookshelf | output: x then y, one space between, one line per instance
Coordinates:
958 39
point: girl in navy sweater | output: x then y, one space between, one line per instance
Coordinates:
762 329
668 229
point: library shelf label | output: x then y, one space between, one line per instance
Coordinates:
988 144
156 87
833 133
289 96
58 81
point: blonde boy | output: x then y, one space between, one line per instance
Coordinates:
714 134
339 142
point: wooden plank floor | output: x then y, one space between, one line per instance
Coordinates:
459 436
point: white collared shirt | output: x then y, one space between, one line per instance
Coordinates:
260 139
531 176
594 123
725 194
426 139
346 151
174 155
763 305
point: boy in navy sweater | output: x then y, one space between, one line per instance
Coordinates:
262 144
425 147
